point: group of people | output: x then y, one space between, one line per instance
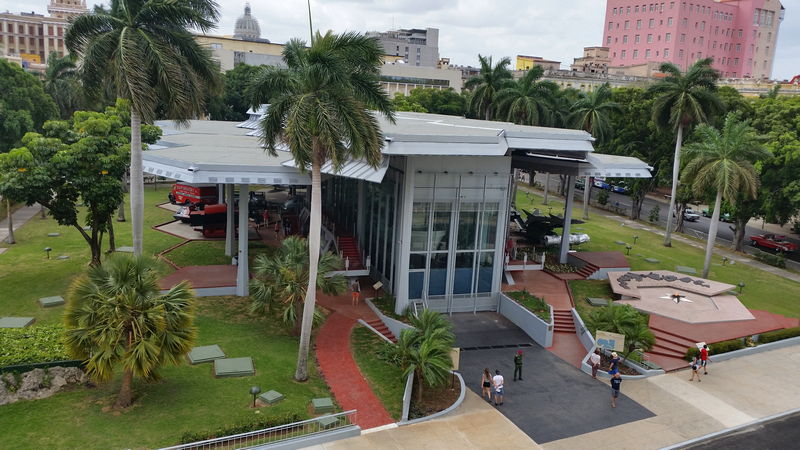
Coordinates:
699 362
495 385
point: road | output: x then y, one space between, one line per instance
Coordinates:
699 228
781 433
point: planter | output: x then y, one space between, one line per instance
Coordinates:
539 330
407 401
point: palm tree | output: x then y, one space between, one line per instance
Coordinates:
591 113
424 350
117 318
723 162
61 82
320 108
638 336
283 278
613 318
487 84
145 51
683 100
527 101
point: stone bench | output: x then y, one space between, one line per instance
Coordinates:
596 301
652 260
322 405
686 269
327 422
16 322
49 302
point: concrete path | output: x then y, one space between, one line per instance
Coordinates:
734 393
20 217
473 425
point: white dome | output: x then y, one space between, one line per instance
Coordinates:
247 26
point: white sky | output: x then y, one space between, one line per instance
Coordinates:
552 29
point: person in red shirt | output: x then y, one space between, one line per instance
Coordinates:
704 359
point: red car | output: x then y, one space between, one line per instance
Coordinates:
192 194
774 242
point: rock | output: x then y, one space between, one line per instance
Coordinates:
74 375
39 383
9 380
32 381
5 396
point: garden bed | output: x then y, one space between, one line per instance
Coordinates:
532 303
605 363
386 304
434 400
385 379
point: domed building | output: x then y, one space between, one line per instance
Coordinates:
247 28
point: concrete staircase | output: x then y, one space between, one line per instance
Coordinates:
669 350
587 270
562 321
349 249
382 329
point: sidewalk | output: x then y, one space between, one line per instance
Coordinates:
473 425
20 217
734 392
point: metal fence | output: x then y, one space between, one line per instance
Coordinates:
276 434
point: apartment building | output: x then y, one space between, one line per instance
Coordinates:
417 47
739 34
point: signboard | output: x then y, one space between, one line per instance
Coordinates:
377 285
455 355
610 341
30 57
700 345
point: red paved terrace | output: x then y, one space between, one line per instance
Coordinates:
201 277
602 260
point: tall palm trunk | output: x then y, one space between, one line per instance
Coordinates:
125 397
676 164
314 232
712 233
587 195
10 239
121 212
137 182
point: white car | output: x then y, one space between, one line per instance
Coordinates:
690 215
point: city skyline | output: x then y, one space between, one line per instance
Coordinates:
465 30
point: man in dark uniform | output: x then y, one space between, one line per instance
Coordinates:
518 365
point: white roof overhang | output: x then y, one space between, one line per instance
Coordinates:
222 173
600 165
356 169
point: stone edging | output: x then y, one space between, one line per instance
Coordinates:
450 408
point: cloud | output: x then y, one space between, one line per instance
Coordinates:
552 29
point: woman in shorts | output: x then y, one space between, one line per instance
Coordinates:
695 365
486 385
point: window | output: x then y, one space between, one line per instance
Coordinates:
627 24
668 37
610 25
636 9
740 32
625 39
680 54
652 23
214 45
647 54
738 48
702 39
735 61
614 12
769 36
608 40
666 53
639 24
683 37
699 55
628 10
636 39
649 38
635 54
669 21
622 54
671 5
684 22
703 25
724 59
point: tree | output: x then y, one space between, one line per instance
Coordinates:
232 102
722 162
321 107
80 161
283 278
9 218
62 83
683 100
591 112
625 320
24 105
638 336
402 102
486 84
146 52
117 318
527 101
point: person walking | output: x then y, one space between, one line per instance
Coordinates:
614 368
695 365
704 359
594 360
518 365
497 382
486 384
356 288
616 381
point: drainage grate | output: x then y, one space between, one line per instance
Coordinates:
494 347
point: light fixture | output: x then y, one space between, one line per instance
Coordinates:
628 249
741 286
254 390
635 238
48 250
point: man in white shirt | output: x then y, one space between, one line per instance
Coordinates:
497 381
594 360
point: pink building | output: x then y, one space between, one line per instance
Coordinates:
739 34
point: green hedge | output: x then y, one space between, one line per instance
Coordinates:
777 260
228 430
716 348
778 335
32 345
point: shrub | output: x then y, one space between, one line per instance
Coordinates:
716 348
602 197
777 260
778 335
228 430
32 345
654 213
532 303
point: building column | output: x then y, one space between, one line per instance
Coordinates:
360 217
230 231
242 270
587 188
567 219
220 193
403 256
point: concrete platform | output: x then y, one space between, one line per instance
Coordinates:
322 405
204 354
234 367
16 322
202 277
49 302
186 231
271 397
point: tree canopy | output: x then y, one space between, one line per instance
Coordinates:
232 102
24 105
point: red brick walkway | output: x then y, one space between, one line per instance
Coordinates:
338 367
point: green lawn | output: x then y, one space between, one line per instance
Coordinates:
386 380
763 290
188 398
531 303
581 289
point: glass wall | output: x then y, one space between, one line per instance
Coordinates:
380 216
454 226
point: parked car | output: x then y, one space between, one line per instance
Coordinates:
773 242
601 183
620 188
690 215
724 217
580 183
